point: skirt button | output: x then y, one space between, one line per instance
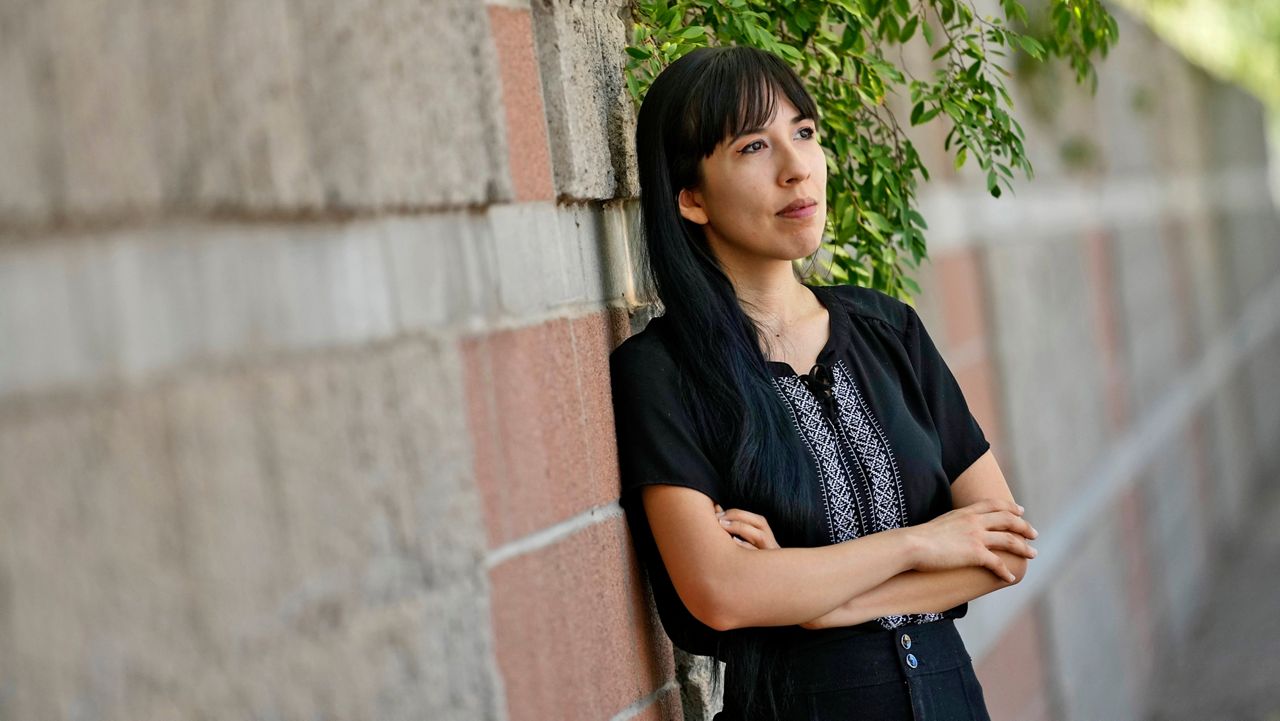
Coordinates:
906 641
911 660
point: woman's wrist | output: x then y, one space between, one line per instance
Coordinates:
908 540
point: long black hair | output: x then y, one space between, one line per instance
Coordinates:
698 101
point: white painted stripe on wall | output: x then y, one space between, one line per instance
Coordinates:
1050 208
126 305
551 535
638 707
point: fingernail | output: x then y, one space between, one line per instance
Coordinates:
1034 553
725 521
719 513
1020 508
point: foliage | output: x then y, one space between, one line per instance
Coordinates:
838 48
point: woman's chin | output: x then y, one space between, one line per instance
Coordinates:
808 247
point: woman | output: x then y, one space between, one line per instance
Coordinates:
865 506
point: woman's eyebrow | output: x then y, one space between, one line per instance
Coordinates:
749 131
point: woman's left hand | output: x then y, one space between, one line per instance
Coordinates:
747 529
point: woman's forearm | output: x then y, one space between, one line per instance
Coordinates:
759 587
753 582
920 592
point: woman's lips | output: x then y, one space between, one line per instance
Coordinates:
804 212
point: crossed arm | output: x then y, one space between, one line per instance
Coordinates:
847 582
935 591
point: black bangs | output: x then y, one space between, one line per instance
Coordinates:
738 93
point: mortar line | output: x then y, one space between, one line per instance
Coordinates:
552 534
638 707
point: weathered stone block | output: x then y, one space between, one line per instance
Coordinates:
589 111
259 106
283 542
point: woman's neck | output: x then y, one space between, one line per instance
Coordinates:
773 296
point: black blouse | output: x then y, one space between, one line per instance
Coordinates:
886 426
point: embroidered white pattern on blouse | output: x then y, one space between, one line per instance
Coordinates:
862 489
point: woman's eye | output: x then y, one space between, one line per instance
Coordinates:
751 147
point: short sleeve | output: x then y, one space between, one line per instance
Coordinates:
657 442
962 439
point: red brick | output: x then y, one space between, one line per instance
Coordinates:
1107 326
575 635
1175 240
978 383
1013 675
528 150
955 291
541 423
592 341
958 275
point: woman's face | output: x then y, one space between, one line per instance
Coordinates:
747 182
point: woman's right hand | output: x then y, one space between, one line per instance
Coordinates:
968 535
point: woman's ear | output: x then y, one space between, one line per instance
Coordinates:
690 202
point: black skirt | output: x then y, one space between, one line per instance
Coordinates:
919 672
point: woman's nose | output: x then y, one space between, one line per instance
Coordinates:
794 167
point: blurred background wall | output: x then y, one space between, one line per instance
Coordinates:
305 311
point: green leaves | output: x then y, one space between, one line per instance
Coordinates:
838 47
920 115
908 30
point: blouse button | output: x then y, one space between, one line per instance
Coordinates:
906 641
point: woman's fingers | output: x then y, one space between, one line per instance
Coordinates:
738 514
1011 542
748 532
1006 521
720 515
1020 525
751 527
756 533
996 565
